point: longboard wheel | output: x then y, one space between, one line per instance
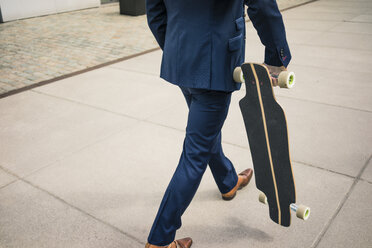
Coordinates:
262 198
303 212
286 79
238 75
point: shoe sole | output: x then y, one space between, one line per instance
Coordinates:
229 198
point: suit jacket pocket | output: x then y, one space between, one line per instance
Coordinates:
235 43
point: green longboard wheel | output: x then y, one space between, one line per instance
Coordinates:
286 79
302 211
238 75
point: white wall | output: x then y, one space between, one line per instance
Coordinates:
68 5
18 9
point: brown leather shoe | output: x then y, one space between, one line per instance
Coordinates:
180 243
243 180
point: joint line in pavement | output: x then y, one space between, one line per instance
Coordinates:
342 203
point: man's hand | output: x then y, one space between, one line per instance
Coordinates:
274 73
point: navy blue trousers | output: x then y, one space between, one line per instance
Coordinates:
202 146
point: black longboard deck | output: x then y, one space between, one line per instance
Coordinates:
266 127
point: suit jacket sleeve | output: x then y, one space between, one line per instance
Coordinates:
268 22
157 19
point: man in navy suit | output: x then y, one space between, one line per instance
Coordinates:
202 42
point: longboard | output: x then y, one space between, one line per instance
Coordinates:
267 132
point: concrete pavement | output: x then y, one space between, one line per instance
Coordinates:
84 161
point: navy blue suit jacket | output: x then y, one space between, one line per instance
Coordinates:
204 40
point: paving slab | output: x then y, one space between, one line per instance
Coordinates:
37 129
346 60
303 36
367 175
348 3
312 25
352 226
296 36
343 40
335 87
332 38
353 27
330 137
32 218
6 178
363 18
146 64
134 94
303 14
344 7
